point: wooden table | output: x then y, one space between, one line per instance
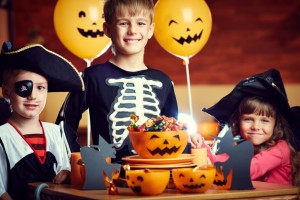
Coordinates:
262 191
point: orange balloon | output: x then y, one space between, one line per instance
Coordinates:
79 26
182 27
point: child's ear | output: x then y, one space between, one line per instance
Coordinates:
151 30
106 29
5 91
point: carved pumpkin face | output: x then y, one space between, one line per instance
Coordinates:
184 32
79 27
190 180
220 182
169 144
147 182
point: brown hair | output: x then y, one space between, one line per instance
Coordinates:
261 106
113 8
282 130
9 74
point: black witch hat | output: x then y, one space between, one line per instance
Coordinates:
268 85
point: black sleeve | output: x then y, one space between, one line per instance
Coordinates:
4 110
170 109
294 119
71 113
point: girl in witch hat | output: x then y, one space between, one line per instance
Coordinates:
257 110
32 150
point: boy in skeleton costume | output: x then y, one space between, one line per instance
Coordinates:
123 85
32 150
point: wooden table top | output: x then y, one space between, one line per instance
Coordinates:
262 191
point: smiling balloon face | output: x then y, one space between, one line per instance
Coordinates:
79 27
182 27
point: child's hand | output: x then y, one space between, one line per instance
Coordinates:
5 196
61 176
196 141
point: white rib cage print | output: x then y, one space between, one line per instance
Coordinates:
135 95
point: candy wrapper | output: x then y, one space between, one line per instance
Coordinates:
161 123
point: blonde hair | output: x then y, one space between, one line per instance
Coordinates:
113 8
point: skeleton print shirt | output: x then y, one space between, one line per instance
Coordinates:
111 95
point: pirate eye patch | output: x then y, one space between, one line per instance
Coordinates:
24 88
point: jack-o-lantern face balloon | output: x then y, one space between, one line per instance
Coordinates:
182 27
193 180
79 26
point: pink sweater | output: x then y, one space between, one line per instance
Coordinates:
272 166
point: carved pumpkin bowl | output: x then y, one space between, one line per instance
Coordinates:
147 182
158 145
221 182
194 180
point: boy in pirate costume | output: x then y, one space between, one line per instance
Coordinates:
32 150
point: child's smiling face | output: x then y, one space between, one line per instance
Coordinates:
256 128
130 33
32 105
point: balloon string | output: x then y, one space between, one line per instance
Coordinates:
88 135
88 62
88 139
186 61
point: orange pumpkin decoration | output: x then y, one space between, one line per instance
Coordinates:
166 144
194 180
220 182
147 182
77 170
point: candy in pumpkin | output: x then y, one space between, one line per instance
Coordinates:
161 137
159 145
